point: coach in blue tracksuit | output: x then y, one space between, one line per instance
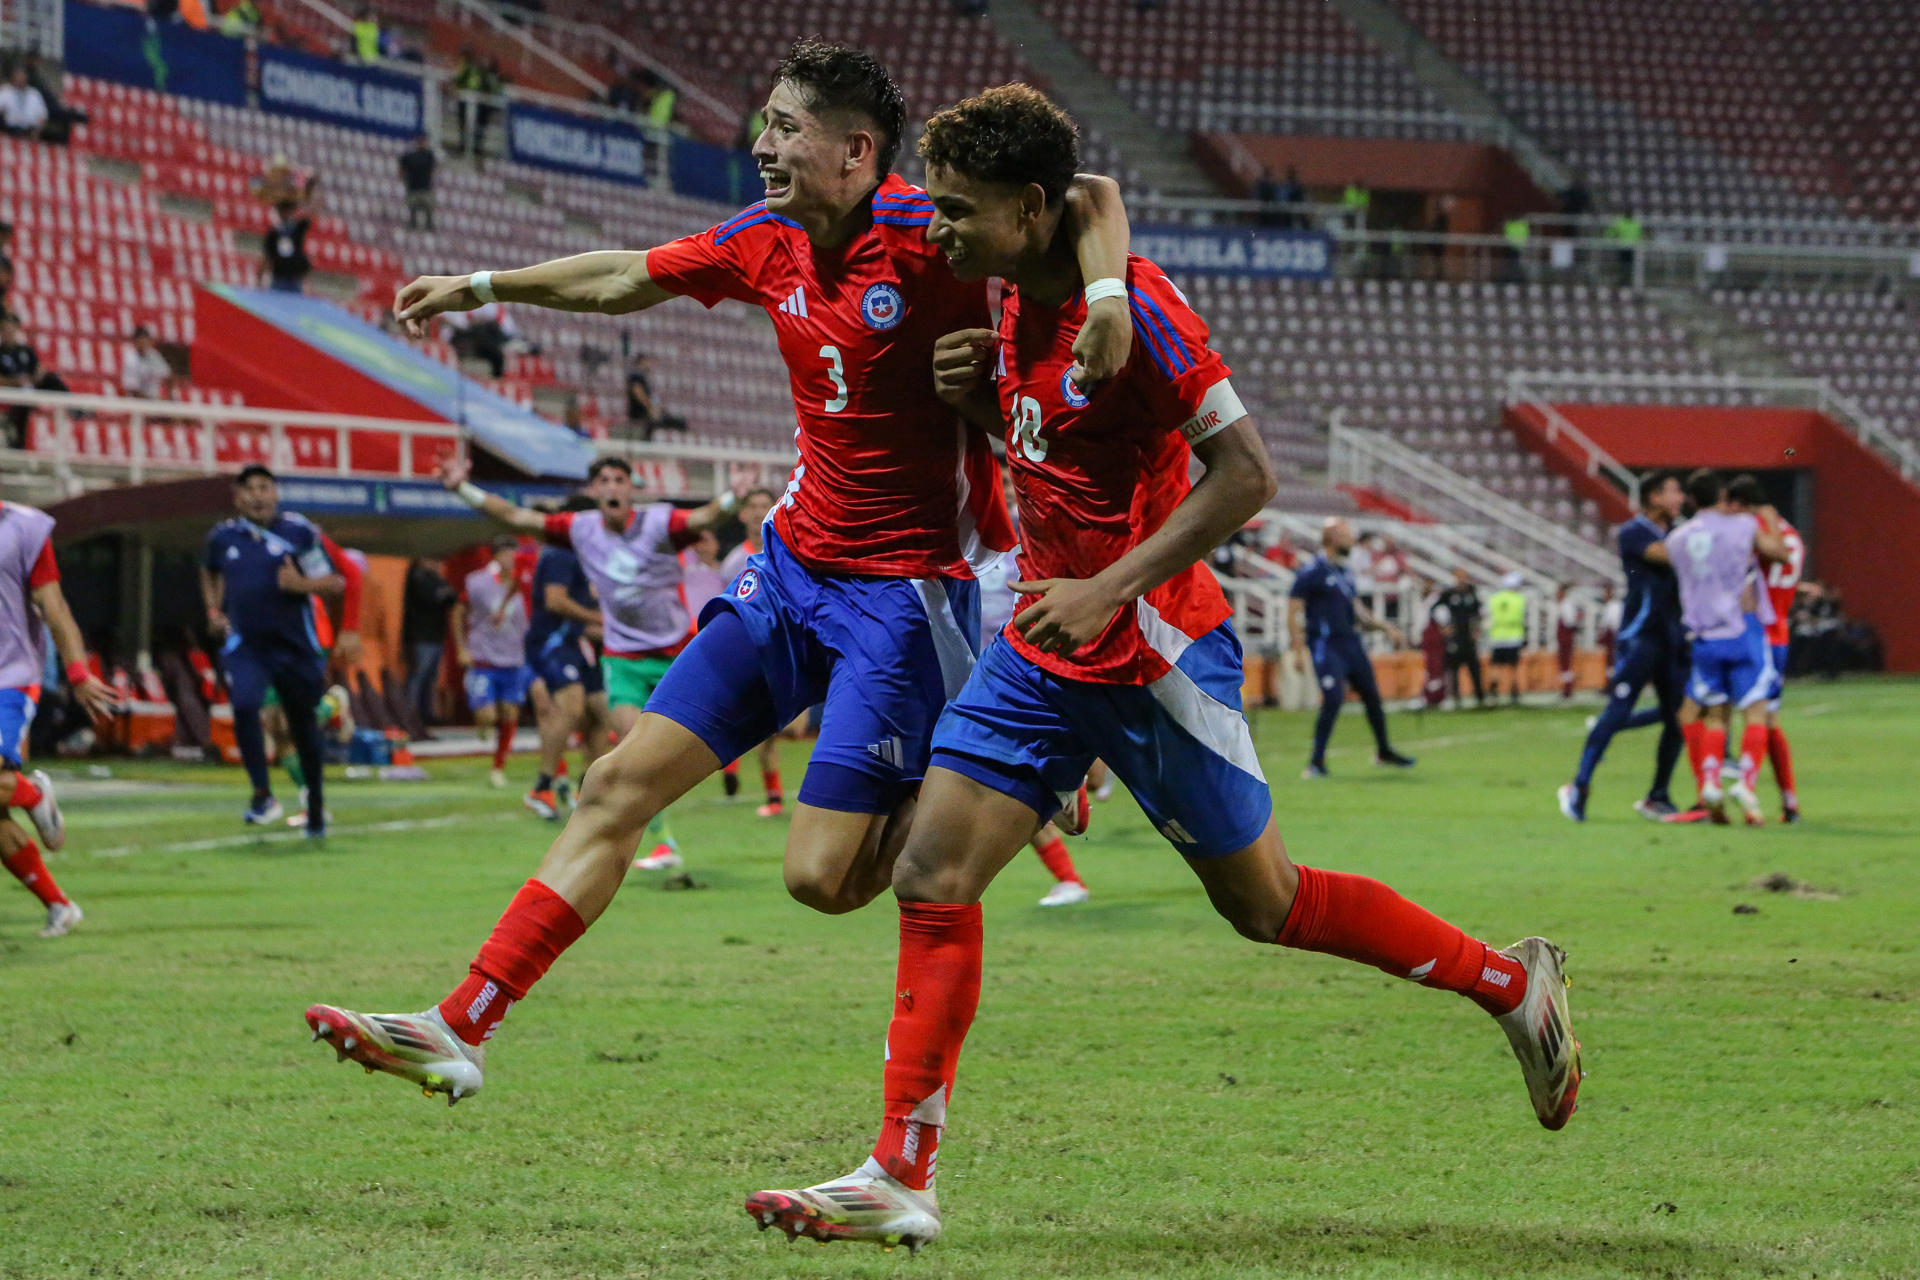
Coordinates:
1327 620
1651 649
259 575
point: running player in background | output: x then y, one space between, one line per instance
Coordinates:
1121 646
490 635
755 504
1651 650
1326 617
256 576
1713 558
863 598
1781 580
32 604
568 692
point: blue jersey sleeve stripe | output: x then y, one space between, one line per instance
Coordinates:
1181 354
1157 326
881 201
751 211
738 227
903 220
1160 360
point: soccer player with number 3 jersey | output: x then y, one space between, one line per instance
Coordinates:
1120 648
862 596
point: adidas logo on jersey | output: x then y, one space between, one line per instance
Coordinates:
796 303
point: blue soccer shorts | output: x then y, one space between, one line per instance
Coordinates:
16 718
506 686
1778 688
882 654
562 665
1736 670
1180 744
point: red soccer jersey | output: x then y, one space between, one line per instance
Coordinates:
1095 477
890 480
1782 581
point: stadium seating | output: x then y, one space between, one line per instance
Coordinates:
1669 106
1427 362
1276 53
1868 344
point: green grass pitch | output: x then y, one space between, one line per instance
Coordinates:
1144 1094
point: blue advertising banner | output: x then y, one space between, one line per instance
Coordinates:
720 174
298 84
398 497
121 45
1240 251
587 145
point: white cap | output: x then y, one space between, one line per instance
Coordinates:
1514 580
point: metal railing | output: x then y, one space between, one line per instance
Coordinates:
1703 228
1595 461
1372 460
1488 128
1818 394
627 50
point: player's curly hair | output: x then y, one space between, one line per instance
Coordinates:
834 77
1012 133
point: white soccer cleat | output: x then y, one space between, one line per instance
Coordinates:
414 1046
1104 791
867 1204
1066 894
61 917
1714 801
497 778
1741 794
46 815
663 858
1541 1032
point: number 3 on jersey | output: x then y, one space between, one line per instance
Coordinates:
838 373
1026 429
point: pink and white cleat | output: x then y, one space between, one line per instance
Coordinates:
414 1046
665 857
867 1204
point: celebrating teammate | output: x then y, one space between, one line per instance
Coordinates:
31 604
1327 619
256 576
1713 557
490 628
632 557
1650 648
754 506
1781 580
863 598
1121 647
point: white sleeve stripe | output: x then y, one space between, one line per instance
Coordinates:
1219 409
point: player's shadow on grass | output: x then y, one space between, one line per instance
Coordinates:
1267 1244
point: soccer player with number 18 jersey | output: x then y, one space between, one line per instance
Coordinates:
862 597
1120 648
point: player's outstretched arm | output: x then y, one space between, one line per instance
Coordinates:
89 690
1239 481
1097 221
453 474
610 281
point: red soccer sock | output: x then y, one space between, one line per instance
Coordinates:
30 871
25 794
502 742
1753 749
1695 735
560 770
771 777
537 926
936 991
731 768
1782 757
1713 752
1059 861
1360 919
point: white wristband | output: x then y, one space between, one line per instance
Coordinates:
1104 288
481 282
472 494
